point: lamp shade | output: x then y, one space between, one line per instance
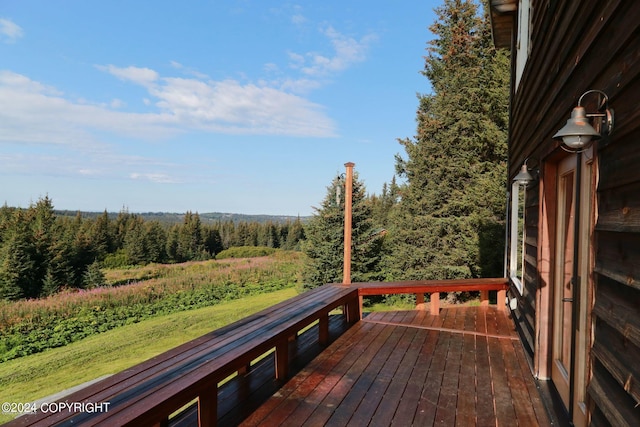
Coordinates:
577 134
523 177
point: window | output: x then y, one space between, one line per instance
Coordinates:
518 236
523 43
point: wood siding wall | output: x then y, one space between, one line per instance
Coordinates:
577 46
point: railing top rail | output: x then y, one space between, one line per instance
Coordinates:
429 286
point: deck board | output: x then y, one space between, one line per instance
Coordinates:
463 367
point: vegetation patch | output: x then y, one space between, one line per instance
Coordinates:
31 326
245 252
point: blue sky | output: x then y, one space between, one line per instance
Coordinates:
241 106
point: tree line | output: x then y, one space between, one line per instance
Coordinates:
41 252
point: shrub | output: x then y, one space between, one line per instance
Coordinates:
246 252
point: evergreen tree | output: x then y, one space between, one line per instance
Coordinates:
82 253
324 243
212 240
60 271
295 234
102 236
228 234
383 205
134 241
93 277
19 260
272 235
172 244
185 242
42 218
121 227
155 239
455 169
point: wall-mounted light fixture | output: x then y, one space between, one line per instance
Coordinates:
578 134
524 177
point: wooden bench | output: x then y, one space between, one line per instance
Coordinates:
150 392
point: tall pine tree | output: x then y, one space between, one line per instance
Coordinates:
450 220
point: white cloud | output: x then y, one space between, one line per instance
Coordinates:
117 103
298 19
9 31
188 71
31 112
270 67
297 60
303 85
35 113
159 178
89 172
141 76
237 108
228 106
317 68
347 51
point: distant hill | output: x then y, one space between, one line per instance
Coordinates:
174 218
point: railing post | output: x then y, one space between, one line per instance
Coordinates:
501 300
435 303
162 423
420 302
282 359
484 298
208 408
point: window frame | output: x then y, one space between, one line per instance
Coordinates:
518 236
523 40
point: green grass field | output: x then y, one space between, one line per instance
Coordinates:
34 377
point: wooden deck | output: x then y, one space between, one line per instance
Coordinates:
464 367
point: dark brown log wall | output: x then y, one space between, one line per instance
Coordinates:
577 46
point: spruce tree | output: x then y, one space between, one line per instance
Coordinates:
155 238
295 234
102 236
134 241
60 270
455 168
324 238
19 260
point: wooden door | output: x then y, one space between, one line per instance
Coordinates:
571 335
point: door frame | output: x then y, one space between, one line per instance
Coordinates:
547 226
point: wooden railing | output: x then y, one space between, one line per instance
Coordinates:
149 393
435 287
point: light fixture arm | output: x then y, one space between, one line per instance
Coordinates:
578 134
607 114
